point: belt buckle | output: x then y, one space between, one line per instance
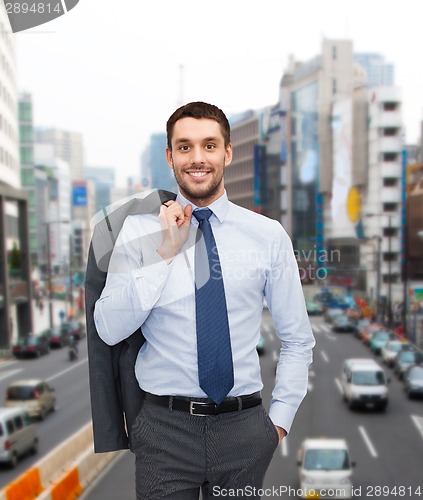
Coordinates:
192 408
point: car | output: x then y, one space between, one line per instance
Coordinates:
18 435
313 308
74 328
57 337
261 345
405 359
35 395
33 346
364 384
342 323
391 349
330 313
379 339
413 381
367 332
360 325
324 465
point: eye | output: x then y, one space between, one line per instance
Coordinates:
183 148
210 146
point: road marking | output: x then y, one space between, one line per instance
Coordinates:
367 441
9 373
7 363
275 356
324 356
418 422
316 329
284 447
339 385
330 336
325 328
311 373
309 386
57 375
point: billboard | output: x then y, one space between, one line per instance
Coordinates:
79 195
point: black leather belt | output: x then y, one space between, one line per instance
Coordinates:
204 408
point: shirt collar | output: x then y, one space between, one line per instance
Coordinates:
219 207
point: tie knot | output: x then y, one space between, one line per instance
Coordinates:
203 214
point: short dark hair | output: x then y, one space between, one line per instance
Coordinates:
199 110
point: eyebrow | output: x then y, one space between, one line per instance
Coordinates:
183 140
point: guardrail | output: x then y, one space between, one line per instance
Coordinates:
62 474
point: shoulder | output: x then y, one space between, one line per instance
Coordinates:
256 222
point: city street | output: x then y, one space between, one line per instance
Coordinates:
41 317
70 381
387 447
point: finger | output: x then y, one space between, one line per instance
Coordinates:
168 203
187 215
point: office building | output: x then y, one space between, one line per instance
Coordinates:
67 146
15 270
155 171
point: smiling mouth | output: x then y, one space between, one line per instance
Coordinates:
198 173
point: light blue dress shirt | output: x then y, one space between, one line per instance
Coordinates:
257 262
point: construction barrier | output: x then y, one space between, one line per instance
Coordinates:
62 474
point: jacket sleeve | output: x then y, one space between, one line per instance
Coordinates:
105 388
116 397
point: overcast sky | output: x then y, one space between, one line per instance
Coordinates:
110 70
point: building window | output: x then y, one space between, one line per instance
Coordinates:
390 207
390 106
389 131
390 232
390 182
390 156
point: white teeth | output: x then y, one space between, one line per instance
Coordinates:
198 174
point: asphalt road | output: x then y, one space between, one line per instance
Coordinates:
70 381
387 447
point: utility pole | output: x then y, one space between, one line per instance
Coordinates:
50 303
70 271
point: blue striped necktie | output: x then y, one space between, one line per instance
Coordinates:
215 366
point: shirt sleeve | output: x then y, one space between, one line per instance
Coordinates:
285 298
135 279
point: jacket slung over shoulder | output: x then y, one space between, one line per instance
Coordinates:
116 397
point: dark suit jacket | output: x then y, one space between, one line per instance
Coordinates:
116 397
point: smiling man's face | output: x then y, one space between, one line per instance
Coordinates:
198 158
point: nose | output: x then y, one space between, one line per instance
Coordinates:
197 157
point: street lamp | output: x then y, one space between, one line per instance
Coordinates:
379 266
50 302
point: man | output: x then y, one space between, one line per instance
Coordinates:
196 287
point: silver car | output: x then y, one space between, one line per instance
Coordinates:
35 395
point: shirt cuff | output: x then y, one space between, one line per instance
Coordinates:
282 415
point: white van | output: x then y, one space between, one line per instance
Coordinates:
18 435
325 468
364 384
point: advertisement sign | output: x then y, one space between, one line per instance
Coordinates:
79 195
259 173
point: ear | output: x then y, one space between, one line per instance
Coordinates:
228 154
169 158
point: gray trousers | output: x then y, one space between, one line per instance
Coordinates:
177 454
